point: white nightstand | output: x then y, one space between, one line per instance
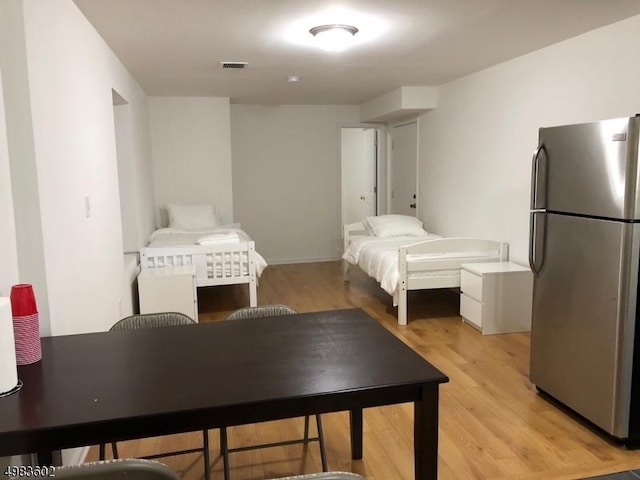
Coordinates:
168 289
496 297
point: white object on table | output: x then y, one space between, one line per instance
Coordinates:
496 297
169 289
8 366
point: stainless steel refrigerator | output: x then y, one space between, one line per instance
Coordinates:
584 253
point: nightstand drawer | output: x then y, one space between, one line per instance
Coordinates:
471 285
471 310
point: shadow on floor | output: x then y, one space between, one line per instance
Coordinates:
630 475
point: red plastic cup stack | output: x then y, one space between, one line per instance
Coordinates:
26 324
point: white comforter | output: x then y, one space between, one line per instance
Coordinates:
173 237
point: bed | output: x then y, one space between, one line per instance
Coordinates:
221 254
421 260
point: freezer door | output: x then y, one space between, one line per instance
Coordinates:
590 169
584 318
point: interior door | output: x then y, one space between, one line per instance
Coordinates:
404 169
359 167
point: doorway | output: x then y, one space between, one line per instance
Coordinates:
126 172
404 169
359 159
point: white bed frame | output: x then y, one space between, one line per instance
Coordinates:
409 266
237 263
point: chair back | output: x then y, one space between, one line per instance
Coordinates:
325 476
126 469
261 311
152 320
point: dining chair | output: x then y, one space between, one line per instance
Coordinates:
139 469
155 320
125 469
260 312
325 476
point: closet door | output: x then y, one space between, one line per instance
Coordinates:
404 169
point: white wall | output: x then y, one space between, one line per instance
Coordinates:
8 246
191 141
475 148
286 178
29 251
71 73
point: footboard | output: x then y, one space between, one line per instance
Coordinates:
348 232
436 264
227 264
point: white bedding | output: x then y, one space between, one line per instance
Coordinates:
225 235
173 237
378 257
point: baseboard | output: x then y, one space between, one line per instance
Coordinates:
287 261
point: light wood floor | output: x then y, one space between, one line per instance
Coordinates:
493 425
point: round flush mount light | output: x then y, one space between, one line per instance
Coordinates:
334 37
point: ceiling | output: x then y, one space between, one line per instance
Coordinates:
173 47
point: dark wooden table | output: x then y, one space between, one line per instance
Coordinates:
103 387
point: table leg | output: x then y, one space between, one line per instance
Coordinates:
425 434
49 458
355 422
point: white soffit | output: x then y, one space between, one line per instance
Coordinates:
397 104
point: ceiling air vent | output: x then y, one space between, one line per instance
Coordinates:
230 65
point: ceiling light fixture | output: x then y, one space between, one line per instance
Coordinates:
334 37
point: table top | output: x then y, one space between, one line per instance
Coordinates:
115 385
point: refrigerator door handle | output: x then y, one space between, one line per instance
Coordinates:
535 171
536 241
537 234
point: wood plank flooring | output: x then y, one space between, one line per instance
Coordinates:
493 425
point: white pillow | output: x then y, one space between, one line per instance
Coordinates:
192 217
368 228
395 226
